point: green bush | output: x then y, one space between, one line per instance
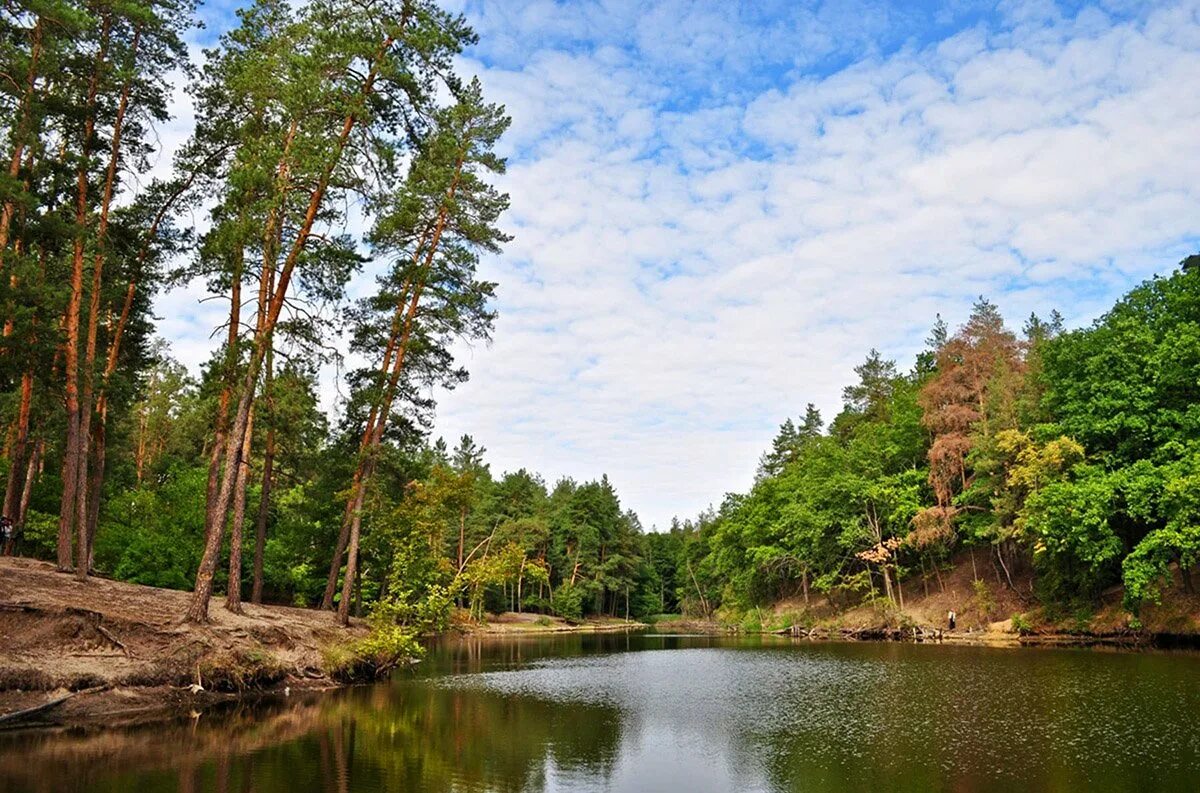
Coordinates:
984 601
387 646
567 602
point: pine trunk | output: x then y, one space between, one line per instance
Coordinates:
264 503
69 506
233 594
16 471
385 406
351 558
84 483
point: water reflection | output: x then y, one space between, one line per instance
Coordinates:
630 713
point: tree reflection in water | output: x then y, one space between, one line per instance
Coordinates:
616 713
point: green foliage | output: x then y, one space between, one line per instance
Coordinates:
40 534
387 646
1074 544
152 535
567 602
1128 388
985 601
1068 455
1147 568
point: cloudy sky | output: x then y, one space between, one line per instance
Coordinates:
720 207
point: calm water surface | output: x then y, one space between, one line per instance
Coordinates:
644 712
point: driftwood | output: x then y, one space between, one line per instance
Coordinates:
18 715
915 634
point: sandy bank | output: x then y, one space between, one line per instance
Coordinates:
111 651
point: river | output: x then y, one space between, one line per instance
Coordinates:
663 713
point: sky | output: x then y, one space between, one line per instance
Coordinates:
719 208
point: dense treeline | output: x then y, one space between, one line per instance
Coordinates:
1067 457
115 460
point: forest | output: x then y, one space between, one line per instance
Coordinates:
310 121
1069 454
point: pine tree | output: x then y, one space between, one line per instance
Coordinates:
436 226
328 126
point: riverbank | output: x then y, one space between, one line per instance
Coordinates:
111 652
988 611
511 623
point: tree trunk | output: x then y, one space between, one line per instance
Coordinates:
264 503
231 361
69 506
35 467
335 566
462 534
266 283
358 593
1008 577
83 514
233 593
114 349
95 485
351 558
264 511
374 435
22 502
16 472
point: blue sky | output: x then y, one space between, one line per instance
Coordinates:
720 207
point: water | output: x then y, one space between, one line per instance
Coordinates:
654 713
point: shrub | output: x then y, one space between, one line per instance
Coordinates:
240 670
387 646
567 602
984 601
751 622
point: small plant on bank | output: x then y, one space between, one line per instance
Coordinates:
985 602
386 647
1021 625
237 671
751 622
567 602
1082 619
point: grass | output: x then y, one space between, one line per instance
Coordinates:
240 670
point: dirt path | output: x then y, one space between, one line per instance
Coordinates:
122 645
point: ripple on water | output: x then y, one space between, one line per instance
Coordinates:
972 712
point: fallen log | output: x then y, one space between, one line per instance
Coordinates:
18 715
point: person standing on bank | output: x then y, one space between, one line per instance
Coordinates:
952 618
